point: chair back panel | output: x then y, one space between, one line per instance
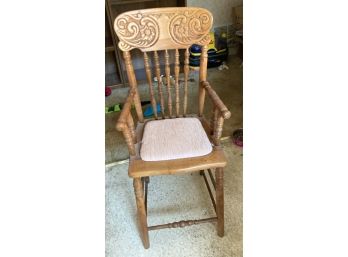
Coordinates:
157 33
168 82
163 28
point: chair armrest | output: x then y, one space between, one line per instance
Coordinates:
122 120
226 114
125 123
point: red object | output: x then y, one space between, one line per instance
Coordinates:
237 137
108 91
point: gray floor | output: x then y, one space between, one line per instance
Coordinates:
227 83
174 198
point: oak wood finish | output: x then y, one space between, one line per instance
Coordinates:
216 100
117 79
220 112
167 70
139 168
139 196
125 124
186 74
163 28
122 120
160 31
130 124
159 81
209 190
133 84
219 175
177 96
212 178
213 119
149 80
182 223
202 77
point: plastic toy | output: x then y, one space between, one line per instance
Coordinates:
149 110
118 107
215 56
108 91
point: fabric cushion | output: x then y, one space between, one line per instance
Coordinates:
171 139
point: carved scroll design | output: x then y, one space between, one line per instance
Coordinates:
136 30
191 26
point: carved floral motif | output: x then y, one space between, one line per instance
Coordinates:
141 29
138 30
191 26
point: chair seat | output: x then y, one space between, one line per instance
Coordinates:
139 168
172 139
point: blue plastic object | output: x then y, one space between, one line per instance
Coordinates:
149 110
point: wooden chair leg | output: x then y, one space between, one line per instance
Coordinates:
219 176
142 219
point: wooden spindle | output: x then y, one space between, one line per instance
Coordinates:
129 140
149 79
176 72
216 100
219 194
186 75
159 81
182 223
141 213
202 77
213 120
167 70
130 124
133 84
218 129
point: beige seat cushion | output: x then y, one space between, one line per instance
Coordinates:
171 139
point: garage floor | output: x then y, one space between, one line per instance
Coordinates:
174 198
227 83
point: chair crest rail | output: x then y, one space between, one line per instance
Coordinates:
163 28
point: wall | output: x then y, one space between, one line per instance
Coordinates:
221 9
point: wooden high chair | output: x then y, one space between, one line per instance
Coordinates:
173 142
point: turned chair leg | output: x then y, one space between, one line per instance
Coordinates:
142 219
219 176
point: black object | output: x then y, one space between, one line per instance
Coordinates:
215 58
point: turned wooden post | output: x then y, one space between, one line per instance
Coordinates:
176 72
125 123
159 81
141 211
149 80
130 124
186 75
133 84
167 70
219 177
129 140
218 129
202 77
213 120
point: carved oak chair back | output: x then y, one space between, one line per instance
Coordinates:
156 32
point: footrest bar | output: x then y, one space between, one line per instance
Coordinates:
182 223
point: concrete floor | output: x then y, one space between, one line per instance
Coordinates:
174 198
227 84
